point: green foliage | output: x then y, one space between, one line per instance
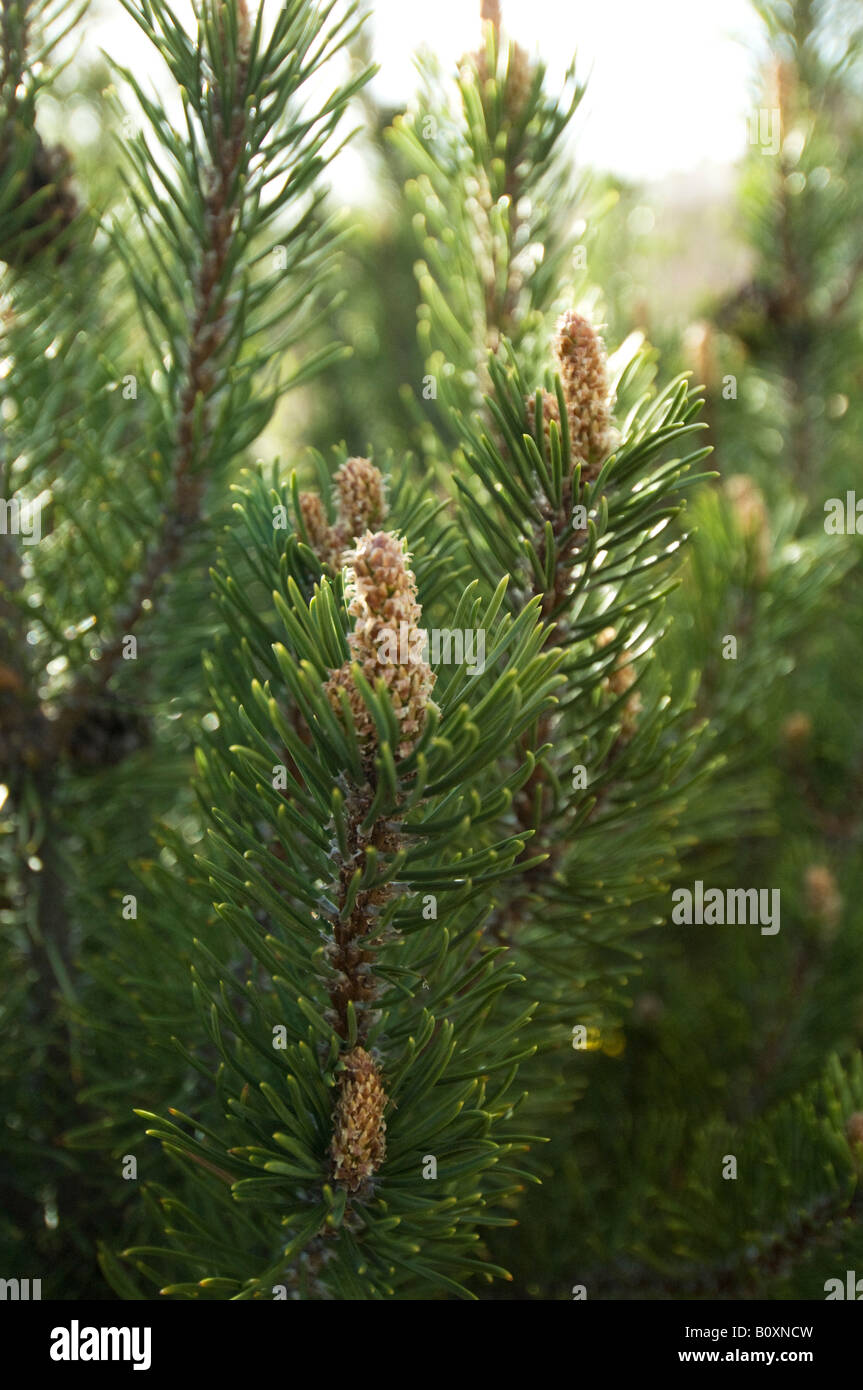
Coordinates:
272 868
492 201
140 358
37 210
347 993
607 800
726 1052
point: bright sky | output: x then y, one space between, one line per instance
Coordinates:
669 79
669 83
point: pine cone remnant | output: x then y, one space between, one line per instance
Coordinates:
387 642
358 1146
317 526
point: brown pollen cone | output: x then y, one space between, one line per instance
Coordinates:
361 505
750 516
358 1146
519 71
795 733
361 502
386 641
316 523
582 367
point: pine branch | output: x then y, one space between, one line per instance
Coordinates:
490 188
774 1233
337 896
128 486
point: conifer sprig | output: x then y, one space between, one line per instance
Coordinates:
350 867
226 244
130 398
584 511
222 190
493 201
777 1238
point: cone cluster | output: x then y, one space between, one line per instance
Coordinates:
384 604
360 501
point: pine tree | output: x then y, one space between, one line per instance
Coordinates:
472 784
743 1046
345 795
140 367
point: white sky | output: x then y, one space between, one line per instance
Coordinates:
669 85
669 79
